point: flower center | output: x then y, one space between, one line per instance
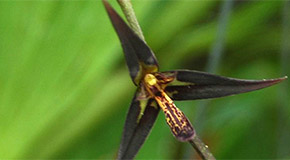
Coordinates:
150 79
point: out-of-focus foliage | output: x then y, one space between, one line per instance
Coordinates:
65 90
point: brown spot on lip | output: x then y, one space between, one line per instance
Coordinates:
175 118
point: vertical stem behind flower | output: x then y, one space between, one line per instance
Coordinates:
213 61
283 92
215 54
128 10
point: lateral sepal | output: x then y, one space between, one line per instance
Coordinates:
191 85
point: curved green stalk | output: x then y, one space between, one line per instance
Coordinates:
128 10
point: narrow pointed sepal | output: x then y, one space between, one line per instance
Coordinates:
140 119
190 85
139 57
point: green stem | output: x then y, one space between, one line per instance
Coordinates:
128 10
201 148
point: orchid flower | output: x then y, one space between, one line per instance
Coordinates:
157 89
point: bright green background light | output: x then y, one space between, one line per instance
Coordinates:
65 88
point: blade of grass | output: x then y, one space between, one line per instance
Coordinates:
79 92
283 118
196 40
215 55
214 59
40 103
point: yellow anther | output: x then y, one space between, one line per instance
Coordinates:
150 79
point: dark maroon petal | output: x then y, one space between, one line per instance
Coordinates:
139 57
136 131
192 85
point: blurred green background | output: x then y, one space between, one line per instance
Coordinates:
65 88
